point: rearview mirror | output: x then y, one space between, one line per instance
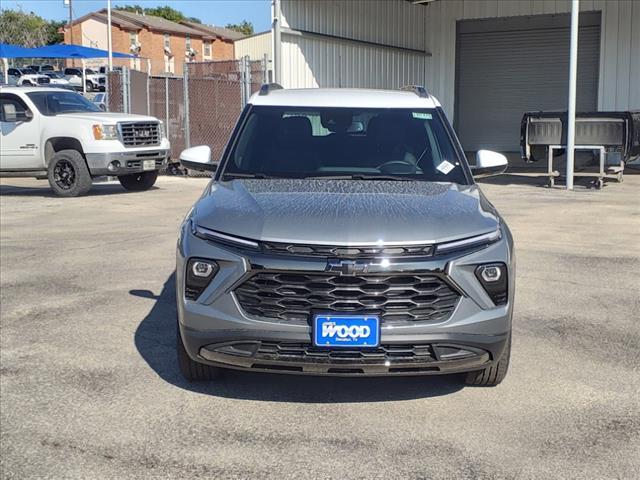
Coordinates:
489 163
198 158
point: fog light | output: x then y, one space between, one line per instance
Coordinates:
493 278
199 274
491 273
202 269
113 166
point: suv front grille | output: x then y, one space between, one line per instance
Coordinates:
294 296
342 252
305 351
140 134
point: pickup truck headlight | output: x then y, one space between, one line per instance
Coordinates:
163 131
105 132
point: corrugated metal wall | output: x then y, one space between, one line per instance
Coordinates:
255 46
313 62
432 28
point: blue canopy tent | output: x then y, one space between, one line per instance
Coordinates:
54 51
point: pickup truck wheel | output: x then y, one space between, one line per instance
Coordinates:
68 174
138 182
193 371
89 87
492 376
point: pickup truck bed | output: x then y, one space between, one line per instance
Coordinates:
616 131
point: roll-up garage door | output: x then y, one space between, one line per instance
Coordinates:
508 66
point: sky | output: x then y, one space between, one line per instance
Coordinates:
212 12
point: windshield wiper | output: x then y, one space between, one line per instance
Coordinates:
231 176
359 176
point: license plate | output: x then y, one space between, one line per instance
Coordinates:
148 165
346 331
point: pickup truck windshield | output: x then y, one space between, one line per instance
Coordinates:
358 143
54 103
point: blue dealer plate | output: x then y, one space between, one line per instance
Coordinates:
346 331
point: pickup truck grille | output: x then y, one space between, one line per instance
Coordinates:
139 134
44 80
396 298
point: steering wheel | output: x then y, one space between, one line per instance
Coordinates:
398 167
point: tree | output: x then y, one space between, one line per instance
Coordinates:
28 29
165 12
242 27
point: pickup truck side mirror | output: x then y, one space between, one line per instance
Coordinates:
9 113
489 163
198 158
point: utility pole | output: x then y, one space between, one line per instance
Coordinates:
68 3
109 43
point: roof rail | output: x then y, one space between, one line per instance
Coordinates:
419 90
267 88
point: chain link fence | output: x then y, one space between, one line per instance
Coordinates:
200 108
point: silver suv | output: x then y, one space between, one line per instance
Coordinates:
343 234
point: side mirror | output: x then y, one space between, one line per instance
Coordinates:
489 163
9 113
198 158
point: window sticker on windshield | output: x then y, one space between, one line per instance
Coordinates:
422 116
445 167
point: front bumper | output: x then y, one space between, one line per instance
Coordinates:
130 161
216 331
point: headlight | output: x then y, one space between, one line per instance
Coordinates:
163 130
105 132
471 242
493 277
199 274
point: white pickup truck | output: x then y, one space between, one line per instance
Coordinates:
60 135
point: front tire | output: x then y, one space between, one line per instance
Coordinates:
68 174
139 182
90 87
493 375
193 371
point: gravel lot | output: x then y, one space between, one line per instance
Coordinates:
90 387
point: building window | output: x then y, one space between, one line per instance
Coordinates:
207 49
133 39
167 41
187 41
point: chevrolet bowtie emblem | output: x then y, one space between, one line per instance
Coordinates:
347 267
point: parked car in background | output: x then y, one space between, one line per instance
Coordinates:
343 234
94 81
28 77
104 69
57 78
61 136
99 100
41 68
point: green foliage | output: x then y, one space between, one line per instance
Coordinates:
28 29
242 27
166 12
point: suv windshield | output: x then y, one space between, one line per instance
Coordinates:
54 103
359 143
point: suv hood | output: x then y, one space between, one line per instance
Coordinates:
345 212
108 117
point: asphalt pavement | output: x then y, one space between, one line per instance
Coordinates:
89 386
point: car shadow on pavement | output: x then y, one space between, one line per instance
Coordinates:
96 190
155 339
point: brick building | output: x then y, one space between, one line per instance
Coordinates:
168 45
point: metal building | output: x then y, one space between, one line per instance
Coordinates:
487 61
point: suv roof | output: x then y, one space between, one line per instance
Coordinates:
15 89
344 97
